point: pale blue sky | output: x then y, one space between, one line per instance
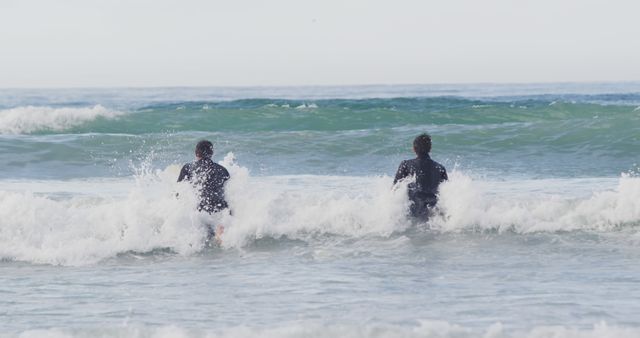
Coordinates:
89 43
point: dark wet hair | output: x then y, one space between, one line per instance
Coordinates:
422 145
204 149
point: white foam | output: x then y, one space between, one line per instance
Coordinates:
467 204
307 106
424 328
299 206
88 228
98 219
29 119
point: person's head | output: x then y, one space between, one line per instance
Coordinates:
204 149
422 145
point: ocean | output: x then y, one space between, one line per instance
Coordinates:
537 232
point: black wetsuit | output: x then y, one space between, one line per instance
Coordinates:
423 193
209 178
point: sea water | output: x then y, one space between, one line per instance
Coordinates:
536 233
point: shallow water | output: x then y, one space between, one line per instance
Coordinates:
473 279
536 236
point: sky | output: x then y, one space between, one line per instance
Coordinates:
144 43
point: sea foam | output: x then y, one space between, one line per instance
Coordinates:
29 119
56 227
424 328
84 229
468 204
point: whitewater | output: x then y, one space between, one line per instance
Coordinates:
536 233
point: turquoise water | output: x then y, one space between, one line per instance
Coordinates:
538 137
537 233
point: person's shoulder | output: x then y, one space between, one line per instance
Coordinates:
439 166
185 172
187 167
220 168
409 162
405 165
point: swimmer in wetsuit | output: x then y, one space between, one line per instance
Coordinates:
209 178
423 192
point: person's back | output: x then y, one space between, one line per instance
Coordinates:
428 174
208 177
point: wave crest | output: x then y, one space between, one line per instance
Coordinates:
30 119
468 204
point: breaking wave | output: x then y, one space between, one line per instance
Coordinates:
31 119
76 228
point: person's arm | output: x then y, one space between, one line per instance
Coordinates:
184 173
221 175
401 173
225 178
443 174
225 175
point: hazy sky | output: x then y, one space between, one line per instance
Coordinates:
88 43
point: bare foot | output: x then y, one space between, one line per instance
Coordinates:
219 232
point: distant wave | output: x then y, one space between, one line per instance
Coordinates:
317 115
334 115
30 119
612 93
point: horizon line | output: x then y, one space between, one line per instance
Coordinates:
482 83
